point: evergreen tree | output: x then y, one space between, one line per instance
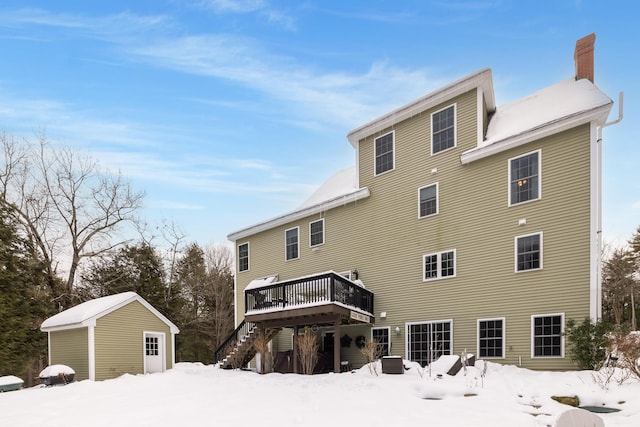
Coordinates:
25 301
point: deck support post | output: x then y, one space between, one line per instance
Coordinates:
336 346
295 349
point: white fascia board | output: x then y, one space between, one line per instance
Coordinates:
87 323
359 194
481 79
598 115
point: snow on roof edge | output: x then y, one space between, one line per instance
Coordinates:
86 313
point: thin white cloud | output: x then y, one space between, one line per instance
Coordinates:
260 7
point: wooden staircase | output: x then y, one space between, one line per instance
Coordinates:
240 346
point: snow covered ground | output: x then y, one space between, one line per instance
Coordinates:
196 394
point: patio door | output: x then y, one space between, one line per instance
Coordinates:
153 352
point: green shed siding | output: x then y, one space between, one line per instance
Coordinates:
385 240
119 341
71 347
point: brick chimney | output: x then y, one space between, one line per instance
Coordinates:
583 57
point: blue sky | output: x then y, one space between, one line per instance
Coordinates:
228 112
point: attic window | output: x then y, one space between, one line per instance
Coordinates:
443 129
384 153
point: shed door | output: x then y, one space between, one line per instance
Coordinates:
153 352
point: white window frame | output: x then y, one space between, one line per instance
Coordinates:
439 263
286 245
388 328
437 200
323 233
345 274
515 250
562 334
248 257
539 152
393 153
455 128
432 322
504 336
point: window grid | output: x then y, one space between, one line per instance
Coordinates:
428 341
439 265
151 346
529 253
381 336
547 336
243 257
524 175
443 125
291 237
384 153
491 333
316 232
428 200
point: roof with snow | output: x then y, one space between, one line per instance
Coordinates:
341 188
87 313
554 109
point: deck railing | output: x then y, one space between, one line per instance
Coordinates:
308 291
236 336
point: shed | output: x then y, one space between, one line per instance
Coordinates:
110 336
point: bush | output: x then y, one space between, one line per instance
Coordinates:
588 342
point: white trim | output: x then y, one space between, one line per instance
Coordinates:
562 333
49 348
504 337
539 152
92 352
479 116
598 114
455 128
162 347
595 209
388 328
406 333
480 79
173 351
439 261
346 274
437 200
248 256
354 196
393 153
515 247
323 233
286 245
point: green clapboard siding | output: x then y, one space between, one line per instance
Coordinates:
385 240
119 341
71 347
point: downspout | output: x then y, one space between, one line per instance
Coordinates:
599 201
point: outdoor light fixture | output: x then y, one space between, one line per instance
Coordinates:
397 330
355 274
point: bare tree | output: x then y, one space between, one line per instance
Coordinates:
617 283
69 208
219 262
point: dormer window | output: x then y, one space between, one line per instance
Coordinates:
443 129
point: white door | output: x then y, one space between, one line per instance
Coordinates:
153 352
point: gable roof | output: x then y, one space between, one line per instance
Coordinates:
553 109
87 313
480 79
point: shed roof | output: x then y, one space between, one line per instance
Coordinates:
87 313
